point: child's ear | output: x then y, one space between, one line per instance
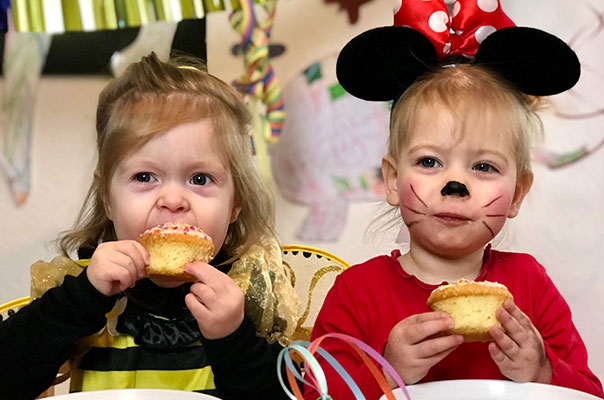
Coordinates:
390 174
106 205
235 213
523 185
108 211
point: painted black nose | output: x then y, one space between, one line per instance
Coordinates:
453 188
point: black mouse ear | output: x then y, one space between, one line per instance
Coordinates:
380 64
536 62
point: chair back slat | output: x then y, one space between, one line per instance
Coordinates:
10 308
312 272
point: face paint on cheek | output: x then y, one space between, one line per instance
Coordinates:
497 205
412 205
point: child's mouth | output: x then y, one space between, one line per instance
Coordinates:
450 218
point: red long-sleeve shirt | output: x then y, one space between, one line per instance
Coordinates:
368 299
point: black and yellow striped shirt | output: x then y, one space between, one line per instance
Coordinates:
159 346
118 362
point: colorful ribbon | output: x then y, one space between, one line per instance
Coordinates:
461 34
555 160
316 377
258 80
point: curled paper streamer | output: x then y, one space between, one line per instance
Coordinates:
258 80
316 377
555 160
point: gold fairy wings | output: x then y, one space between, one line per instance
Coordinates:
270 299
277 281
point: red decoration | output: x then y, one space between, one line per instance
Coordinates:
351 6
471 21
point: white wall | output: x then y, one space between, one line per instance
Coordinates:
63 158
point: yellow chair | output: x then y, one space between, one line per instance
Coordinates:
8 309
312 272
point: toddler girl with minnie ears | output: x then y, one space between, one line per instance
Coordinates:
465 92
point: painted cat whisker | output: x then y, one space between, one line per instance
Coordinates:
414 211
492 201
410 224
489 228
419 198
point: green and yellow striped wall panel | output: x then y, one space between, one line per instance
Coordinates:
57 16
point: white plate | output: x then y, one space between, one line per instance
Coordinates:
135 394
485 389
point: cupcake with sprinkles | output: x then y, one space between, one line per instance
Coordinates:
472 305
173 245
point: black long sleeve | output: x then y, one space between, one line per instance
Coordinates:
245 365
40 337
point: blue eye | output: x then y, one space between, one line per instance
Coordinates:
143 177
428 162
200 179
485 167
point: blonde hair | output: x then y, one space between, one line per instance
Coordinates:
463 90
150 98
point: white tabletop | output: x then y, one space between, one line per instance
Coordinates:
485 389
135 394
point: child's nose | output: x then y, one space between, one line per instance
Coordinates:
454 188
173 197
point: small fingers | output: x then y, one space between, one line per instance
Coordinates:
515 323
430 316
506 346
143 259
203 293
422 326
117 265
128 254
439 347
121 269
138 254
204 272
517 314
497 355
439 356
197 307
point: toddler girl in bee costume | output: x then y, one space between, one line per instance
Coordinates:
173 147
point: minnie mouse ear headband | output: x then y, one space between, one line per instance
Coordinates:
380 64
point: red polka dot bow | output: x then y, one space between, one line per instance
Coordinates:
461 34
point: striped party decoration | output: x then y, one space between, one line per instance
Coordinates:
58 16
258 80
